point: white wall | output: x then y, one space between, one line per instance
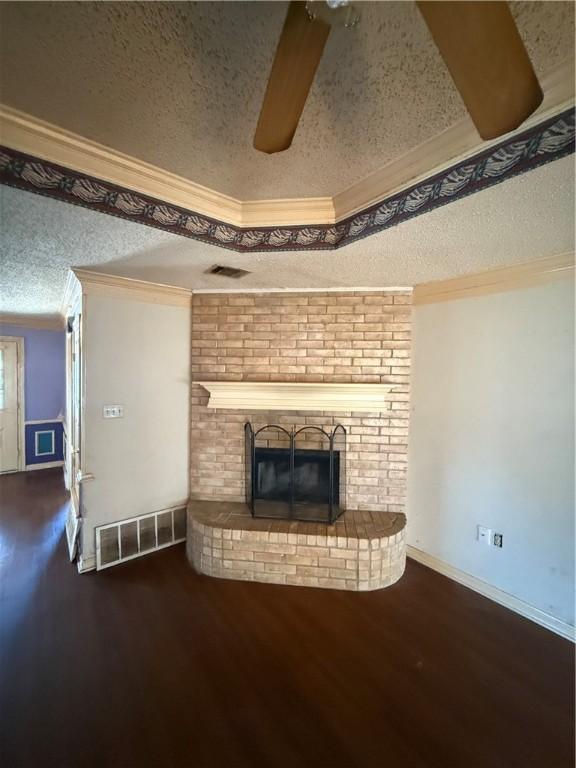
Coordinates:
492 440
137 355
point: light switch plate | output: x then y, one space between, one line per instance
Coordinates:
484 534
113 411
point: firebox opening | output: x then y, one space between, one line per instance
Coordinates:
294 482
311 475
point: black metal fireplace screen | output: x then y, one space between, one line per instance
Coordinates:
297 474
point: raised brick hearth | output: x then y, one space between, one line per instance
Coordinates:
361 551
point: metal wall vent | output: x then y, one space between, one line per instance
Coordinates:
137 536
219 269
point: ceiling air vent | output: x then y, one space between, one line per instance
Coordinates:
219 269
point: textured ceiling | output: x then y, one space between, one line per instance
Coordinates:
180 85
525 218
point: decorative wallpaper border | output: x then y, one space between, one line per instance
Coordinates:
543 143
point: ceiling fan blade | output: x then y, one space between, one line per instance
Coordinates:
489 64
297 57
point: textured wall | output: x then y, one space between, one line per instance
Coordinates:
339 337
45 371
136 355
492 440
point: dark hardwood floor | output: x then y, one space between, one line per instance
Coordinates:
149 664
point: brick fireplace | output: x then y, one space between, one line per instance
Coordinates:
336 337
351 337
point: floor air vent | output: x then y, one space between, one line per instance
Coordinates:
137 536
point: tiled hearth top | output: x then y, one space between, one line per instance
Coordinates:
354 525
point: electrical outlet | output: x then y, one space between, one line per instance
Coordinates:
113 411
484 534
498 540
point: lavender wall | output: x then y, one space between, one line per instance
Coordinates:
45 371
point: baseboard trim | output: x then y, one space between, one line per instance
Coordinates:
45 465
493 593
86 563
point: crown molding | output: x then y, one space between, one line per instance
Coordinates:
97 283
456 144
516 154
84 281
31 136
496 280
39 322
290 396
297 291
37 138
288 212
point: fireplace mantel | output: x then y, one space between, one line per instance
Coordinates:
293 396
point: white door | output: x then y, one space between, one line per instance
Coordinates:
9 406
73 435
76 408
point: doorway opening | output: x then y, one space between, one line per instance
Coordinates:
11 404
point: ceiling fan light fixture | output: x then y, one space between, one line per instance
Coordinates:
334 12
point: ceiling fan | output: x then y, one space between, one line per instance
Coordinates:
478 41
